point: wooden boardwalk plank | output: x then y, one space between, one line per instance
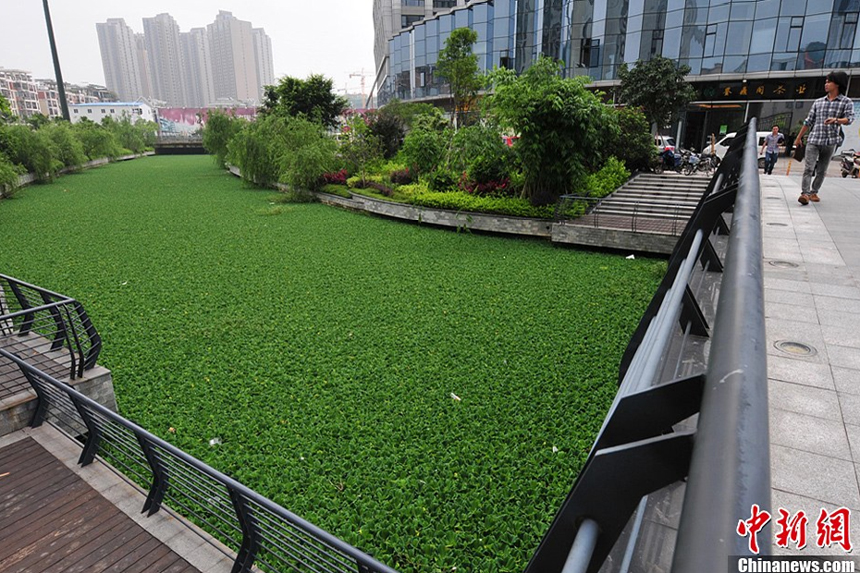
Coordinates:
51 521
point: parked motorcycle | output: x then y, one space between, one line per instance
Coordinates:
850 163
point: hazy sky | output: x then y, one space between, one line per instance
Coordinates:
329 37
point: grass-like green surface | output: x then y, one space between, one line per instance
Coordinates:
426 395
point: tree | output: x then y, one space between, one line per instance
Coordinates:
5 110
360 147
312 99
563 128
217 133
635 144
459 67
658 87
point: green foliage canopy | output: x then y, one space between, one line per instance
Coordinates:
5 110
635 144
312 98
459 67
658 87
219 130
563 127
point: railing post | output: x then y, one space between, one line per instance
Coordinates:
41 399
94 433
61 334
250 534
88 360
29 318
159 477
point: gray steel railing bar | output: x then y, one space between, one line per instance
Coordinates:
305 545
209 490
34 287
126 447
672 303
641 375
583 547
252 496
220 512
680 361
225 536
33 309
298 545
118 462
306 559
730 467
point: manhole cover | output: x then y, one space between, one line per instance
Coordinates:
795 348
784 264
778 224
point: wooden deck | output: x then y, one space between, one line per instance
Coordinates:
51 521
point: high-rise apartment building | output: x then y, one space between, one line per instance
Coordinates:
143 66
227 61
198 67
120 59
165 59
21 91
234 67
263 57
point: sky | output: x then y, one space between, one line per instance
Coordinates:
329 37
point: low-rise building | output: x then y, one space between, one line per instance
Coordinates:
95 112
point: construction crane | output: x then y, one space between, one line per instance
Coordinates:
362 74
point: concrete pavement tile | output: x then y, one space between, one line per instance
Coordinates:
835 303
812 507
824 255
810 434
815 476
835 318
838 291
790 312
844 356
789 285
847 380
854 439
850 404
804 400
800 372
787 297
848 336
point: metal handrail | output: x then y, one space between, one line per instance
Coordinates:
29 309
642 446
175 474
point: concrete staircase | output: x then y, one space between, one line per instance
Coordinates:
667 196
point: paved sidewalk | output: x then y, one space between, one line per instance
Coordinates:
812 310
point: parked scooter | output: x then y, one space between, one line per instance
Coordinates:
850 163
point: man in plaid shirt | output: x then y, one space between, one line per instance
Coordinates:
828 113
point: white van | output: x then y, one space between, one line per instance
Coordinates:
722 145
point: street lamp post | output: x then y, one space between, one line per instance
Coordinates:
61 87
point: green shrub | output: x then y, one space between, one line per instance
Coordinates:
219 129
461 201
255 149
8 177
480 151
135 137
96 140
610 177
23 146
424 148
66 147
634 144
442 179
339 190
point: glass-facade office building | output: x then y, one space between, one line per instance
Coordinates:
763 58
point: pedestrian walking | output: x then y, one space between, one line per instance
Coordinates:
824 122
770 148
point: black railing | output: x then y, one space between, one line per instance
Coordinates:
262 533
695 353
51 328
